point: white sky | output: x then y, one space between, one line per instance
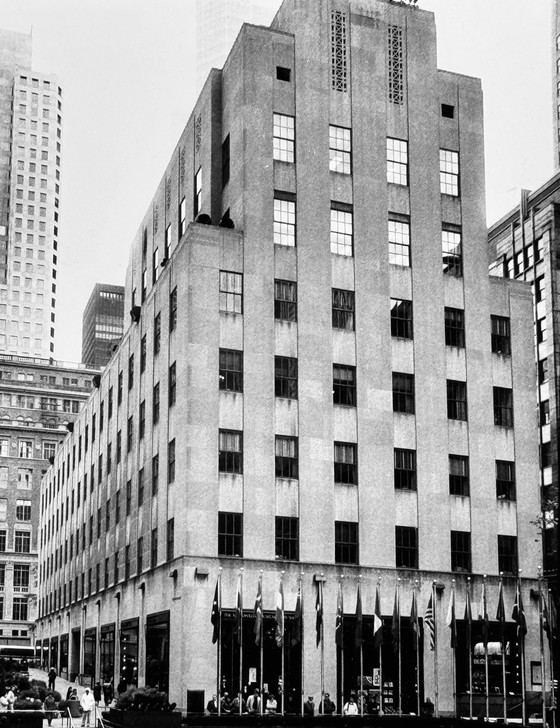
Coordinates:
127 70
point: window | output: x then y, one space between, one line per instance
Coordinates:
340 149
344 385
397 161
154 549
543 371
449 172
155 404
49 450
173 309
540 289
197 187
283 74
140 555
170 539
23 510
283 135
140 487
285 377
119 398
284 219
225 161
142 420
5 447
130 374
286 457
542 334
406 541
346 542
119 446
544 413
461 551
285 300
25 478
182 219
451 250
155 474
230 451
459 475
157 333
505 480
448 111
456 400
405 469
231 292
501 337
230 534
503 407
342 309
399 242
403 393
128 503
143 354
19 611
401 319
507 555
22 542
341 230
172 384
171 461
2 540
455 327
287 538
129 435
231 370
25 449
21 577
345 463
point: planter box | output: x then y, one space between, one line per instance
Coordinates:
143 719
22 718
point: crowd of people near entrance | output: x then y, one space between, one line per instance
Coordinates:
269 704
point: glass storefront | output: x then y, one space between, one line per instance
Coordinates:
64 656
54 652
129 651
45 655
157 651
107 666
90 641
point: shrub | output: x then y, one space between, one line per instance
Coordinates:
139 699
28 703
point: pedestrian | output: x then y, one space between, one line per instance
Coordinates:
97 692
309 707
351 707
88 704
107 691
52 678
226 704
122 687
235 705
271 704
254 703
212 705
427 708
327 706
49 706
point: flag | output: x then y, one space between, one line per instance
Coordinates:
279 634
215 616
414 613
377 622
339 633
319 613
501 617
483 615
430 622
451 621
395 624
545 618
239 612
552 617
518 614
298 619
358 633
258 613
468 617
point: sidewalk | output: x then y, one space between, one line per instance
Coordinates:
62 685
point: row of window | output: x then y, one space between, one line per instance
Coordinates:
22 541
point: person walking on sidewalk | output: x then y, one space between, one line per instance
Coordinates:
88 704
52 678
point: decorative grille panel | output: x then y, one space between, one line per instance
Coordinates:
339 52
395 64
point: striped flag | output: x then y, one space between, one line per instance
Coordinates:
279 617
215 616
395 623
518 614
358 634
298 619
501 617
430 622
258 613
239 613
451 621
377 621
319 614
414 613
339 628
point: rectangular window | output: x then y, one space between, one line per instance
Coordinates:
230 451
286 457
344 385
452 250
405 469
449 172
130 372
128 500
154 549
170 539
25 449
23 510
2 541
401 319
22 542
399 242
157 333
140 555
155 404
456 400
505 480
25 478
343 309
21 577
403 393
284 220
283 136
341 232
173 309
501 335
406 542
461 551
225 161
140 487
231 292
285 377
155 474
142 420
340 149
346 463
19 610
285 300
507 555
231 370
544 413
503 407
455 327
543 371
287 538
346 548
182 220
119 401
459 475
172 385
542 333
143 352
397 161
230 534
197 188
540 289
171 461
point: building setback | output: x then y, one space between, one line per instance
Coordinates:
102 324
335 386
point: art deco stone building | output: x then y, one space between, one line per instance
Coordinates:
335 386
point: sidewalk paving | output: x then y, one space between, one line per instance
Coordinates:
62 685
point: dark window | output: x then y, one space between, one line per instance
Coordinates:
286 457
343 309
448 111
171 461
285 300
230 534
540 289
403 393
542 333
461 551
405 469
126 562
507 555
543 371
119 446
142 420
231 292
109 412
117 506
456 400
505 480
182 229
139 555
155 404
173 309
285 377
170 539
153 549
157 333
129 434
503 407
344 385
231 370
458 475
130 371
406 541
225 161
155 474
128 498
455 327
140 486
346 542
401 318
172 384
345 463
452 250
119 395
230 451
501 337
544 413
283 74
545 458
287 538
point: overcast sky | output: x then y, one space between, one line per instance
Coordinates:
128 75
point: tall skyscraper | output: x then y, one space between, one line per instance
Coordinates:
556 80
30 149
102 324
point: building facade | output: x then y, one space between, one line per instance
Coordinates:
30 153
102 324
556 81
323 391
39 400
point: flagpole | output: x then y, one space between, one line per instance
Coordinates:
503 640
417 631
522 651
436 677
322 640
485 640
551 628
302 642
469 638
541 638
283 693
453 638
379 580
261 651
341 696
219 691
241 641
399 642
